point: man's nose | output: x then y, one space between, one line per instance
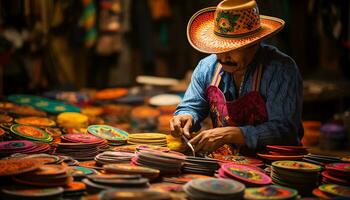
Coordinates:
223 57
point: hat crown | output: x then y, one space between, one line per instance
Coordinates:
236 18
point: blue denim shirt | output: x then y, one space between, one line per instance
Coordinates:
281 87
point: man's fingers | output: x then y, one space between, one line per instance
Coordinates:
195 140
171 125
187 127
202 143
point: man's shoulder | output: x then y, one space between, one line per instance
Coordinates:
206 65
278 60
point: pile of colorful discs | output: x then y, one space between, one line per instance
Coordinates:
41 158
214 188
46 175
320 159
74 189
79 173
132 170
337 173
96 183
83 138
175 190
135 194
80 146
17 166
22 146
242 160
156 139
302 176
22 192
31 133
271 192
332 191
167 163
151 147
110 157
249 175
184 178
42 103
276 152
205 166
36 121
72 120
114 136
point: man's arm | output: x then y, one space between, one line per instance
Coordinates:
194 102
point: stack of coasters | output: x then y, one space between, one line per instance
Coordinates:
46 175
156 139
337 173
132 170
31 133
144 118
167 163
125 148
110 93
42 103
184 178
214 188
86 146
84 138
151 147
114 136
299 175
241 160
23 192
276 152
79 173
42 158
205 166
320 159
110 157
72 120
272 192
74 189
36 121
5 118
17 166
332 191
249 175
175 190
22 146
135 194
97 183
26 111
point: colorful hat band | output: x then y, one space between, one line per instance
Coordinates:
236 23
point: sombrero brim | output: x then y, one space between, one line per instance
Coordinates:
200 33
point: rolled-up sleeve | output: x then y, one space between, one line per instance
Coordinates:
194 101
284 107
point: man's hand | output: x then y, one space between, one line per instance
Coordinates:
181 124
212 139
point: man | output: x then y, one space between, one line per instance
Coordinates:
253 92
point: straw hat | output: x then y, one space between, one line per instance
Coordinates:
231 25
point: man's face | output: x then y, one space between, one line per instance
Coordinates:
236 60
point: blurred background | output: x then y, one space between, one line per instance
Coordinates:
71 45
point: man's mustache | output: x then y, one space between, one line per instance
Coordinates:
228 63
